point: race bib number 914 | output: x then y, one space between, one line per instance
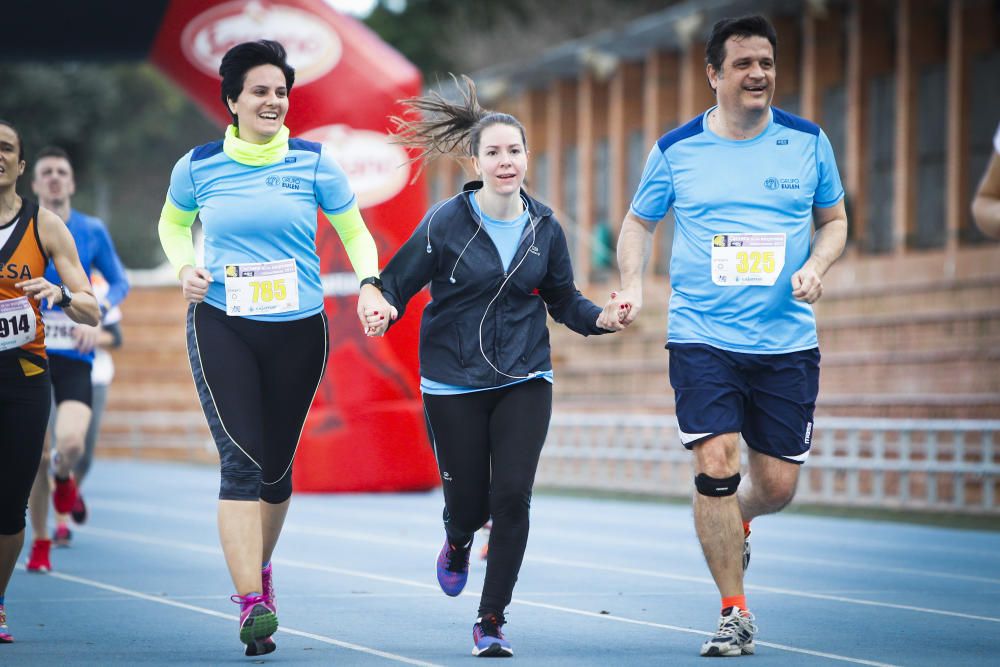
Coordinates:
17 323
747 259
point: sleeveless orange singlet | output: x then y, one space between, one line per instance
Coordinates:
21 258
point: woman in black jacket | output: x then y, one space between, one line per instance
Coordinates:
496 261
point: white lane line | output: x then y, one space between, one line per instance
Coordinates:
141 508
663 520
676 628
232 617
142 539
754 587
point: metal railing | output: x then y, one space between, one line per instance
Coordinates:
951 465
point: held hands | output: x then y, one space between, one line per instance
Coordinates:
806 284
194 283
374 311
620 311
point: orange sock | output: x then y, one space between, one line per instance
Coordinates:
746 528
735 601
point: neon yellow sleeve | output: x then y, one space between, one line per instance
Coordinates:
175 235
357 240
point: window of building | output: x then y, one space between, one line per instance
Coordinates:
635 159
601 252
932 102
570 198
834 125
880 139
538 177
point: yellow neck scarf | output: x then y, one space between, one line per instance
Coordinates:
255 155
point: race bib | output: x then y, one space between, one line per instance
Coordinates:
58 330
262 289
17 323
747 259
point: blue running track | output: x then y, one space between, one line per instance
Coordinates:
603 583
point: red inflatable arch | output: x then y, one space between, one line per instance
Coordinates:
366 431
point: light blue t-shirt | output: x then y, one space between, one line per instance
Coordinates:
728 193
262 214
506 236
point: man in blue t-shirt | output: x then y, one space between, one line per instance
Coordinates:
70 349
748 184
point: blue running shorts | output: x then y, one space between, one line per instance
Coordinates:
768 398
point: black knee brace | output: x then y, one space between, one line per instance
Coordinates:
717 488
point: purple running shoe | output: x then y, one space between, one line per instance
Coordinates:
487 639
453 567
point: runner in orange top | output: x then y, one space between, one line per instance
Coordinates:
29 237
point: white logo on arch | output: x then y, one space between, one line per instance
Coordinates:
313 46
376 169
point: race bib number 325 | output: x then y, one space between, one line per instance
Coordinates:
747 259
262 289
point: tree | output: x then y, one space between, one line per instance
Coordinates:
124 127
441 36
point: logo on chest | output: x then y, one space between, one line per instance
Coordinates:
772 183
287 182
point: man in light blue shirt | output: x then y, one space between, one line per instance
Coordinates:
748 184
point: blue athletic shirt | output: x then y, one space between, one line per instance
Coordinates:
266 213
96 250
506 236
720 187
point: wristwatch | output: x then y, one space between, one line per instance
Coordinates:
372 280
67 297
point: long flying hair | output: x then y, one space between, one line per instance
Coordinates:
435 126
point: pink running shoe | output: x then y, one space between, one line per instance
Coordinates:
5 637
258 621
267 587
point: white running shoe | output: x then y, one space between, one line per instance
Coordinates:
735 635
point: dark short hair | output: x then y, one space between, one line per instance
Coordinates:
20 144
244 57
52 151
745 26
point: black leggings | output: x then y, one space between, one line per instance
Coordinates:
256 381
24 416
487 445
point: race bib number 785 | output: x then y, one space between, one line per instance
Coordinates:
262 288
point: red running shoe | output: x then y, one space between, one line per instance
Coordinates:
64 495
39 559
62 536
79 512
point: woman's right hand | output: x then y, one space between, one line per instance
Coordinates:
194 283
